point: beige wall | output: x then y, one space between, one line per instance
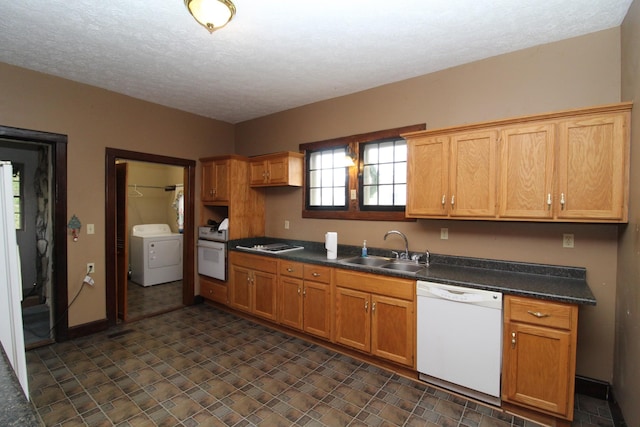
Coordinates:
626 379
94 119
573 73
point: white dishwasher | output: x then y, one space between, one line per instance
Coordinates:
459 339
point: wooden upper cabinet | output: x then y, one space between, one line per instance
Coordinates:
526 179
593 167
570 166
215 180
452 175
278 169
473 174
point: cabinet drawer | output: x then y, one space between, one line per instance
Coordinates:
317 273
377 284
291 269
543 313
254 262
213 291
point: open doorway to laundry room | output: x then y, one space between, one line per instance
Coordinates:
149 229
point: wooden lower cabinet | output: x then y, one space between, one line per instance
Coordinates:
376 315
539 355
252 284
305 298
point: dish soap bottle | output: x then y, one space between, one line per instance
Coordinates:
364 249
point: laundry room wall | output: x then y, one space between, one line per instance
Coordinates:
147 200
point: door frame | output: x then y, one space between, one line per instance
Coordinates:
113 154
58 188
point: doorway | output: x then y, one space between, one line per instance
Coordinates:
43 238
117 228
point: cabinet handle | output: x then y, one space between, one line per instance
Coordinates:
290 270
562 201
538 314
304 292
366 306
298 291
453 198
549 201
314 274
513 340
373 308
444 200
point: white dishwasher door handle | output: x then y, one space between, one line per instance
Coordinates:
456 296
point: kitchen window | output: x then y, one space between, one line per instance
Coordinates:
373 189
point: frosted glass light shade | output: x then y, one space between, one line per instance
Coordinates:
211 14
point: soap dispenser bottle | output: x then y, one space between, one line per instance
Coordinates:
364 248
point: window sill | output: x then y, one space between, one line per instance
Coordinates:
358 215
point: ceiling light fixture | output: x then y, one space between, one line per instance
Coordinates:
211 14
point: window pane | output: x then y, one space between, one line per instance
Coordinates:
327 160
401 151
385 195
315 197
386 152
327 177
340 177
370 196
385 174
370 175
400 174
315 161
371 153
314 178
339 197
400 194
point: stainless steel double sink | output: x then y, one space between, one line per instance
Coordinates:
384 263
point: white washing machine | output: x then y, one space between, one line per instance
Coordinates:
155 254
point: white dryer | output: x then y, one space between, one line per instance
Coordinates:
155 254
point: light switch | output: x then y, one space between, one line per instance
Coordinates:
90 229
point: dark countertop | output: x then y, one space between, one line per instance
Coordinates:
15 409
549 282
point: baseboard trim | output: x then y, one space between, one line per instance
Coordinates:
87 329
593 388
601 390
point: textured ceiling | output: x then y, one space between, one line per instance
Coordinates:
276 55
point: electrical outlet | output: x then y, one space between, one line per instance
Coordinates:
91 267
286 224
444 233
567 240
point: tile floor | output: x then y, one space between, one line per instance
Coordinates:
200 366
146 300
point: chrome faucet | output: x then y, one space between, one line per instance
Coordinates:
406 243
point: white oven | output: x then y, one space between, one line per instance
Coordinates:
212 259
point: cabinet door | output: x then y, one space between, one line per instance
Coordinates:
392 329
278 171
264 294
208 181
473 174
257 173
317 309
353 319
526 177
537 368
427 176
221 189
592 168
290 302
240 288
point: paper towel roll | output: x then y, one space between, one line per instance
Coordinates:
331 244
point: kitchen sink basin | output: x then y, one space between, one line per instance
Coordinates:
403 266
370 261
384 263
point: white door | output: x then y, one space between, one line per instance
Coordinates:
11 333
